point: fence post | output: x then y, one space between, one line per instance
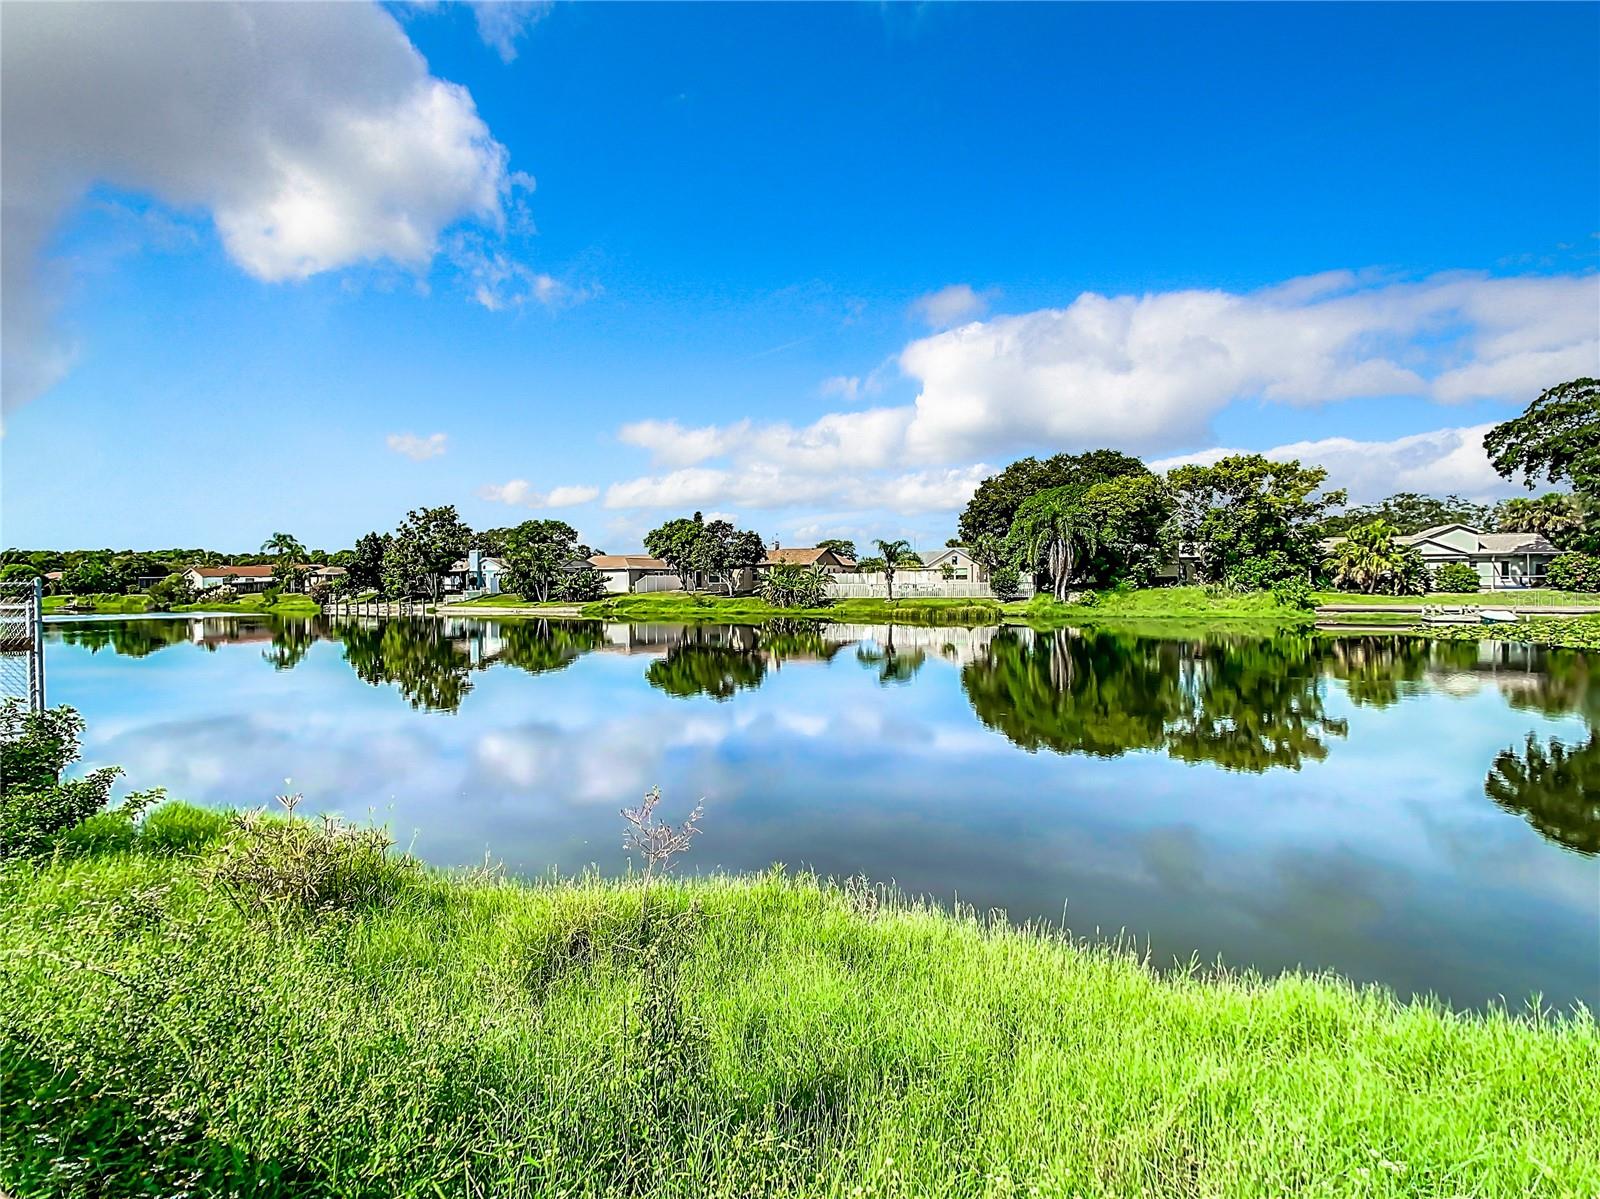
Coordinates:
36 656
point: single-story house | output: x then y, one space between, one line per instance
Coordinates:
820 558
1502 560
241 578
478 571
635 572
963 566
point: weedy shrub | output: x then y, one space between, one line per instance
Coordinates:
273 866
1456 577
1574 572
36 806
1294 593
180 828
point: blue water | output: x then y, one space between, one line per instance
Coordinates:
1273 802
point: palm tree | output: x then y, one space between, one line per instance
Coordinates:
894 552
1054 528
1550 516
1371 560
287 554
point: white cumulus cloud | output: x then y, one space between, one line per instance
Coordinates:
313 135
1440 462
418 449
519 493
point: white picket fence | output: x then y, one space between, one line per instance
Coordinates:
910 585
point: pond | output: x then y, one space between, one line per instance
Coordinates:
1424 815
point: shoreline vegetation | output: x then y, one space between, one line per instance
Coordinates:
1156 609
226 1005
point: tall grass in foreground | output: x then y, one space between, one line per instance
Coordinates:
467 1036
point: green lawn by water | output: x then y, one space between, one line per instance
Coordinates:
138 603
481 1038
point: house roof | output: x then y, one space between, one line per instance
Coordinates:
799 556
460 564
929 557
1487 543
626 562
222 572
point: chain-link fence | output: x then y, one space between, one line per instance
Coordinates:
22 643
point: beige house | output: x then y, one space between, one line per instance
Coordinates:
625 573
809 555
963 566
1502 560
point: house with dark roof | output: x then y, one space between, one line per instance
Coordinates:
1502 560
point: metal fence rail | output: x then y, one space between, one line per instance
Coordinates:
22 643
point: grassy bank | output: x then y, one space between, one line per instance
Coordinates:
458 1036
139 603
1533 597
1158 603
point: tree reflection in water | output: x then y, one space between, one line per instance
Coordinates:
1554 788
712 660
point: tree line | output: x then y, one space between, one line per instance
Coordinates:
1104 518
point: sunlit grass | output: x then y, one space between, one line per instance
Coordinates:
480 1038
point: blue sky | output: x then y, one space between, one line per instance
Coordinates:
818 267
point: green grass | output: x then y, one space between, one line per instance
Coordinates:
137 603
475 1037
110 604
1484 599
1157 603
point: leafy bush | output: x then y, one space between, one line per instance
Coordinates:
582 586
1294 593
36 806
790 586
1006 581
1456 577
271 864
179 828
1575 572
1259 574
223 593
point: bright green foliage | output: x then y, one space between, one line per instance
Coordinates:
1456 577
1557 438
492 1039
538 555
179 828
1574 572
424 547
174 589
1098 534
986 521
36 804
1370 559
698 551
787 585
894 554
365 566
288 555
1005 580
1251 520
19 572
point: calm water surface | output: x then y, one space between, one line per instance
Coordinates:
1424 815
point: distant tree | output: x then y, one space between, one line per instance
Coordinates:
985 522
90 574
424 547
894 554
365 566
1252 520
287 556
952 543
1557 517
538 555
839 545
724 553
1369 559
674 542
1410 512
1005 580
18 572
870 565
1557 438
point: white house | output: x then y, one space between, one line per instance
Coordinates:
241 578
1502 560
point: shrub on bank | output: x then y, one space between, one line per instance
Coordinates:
1574 572
1456 578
